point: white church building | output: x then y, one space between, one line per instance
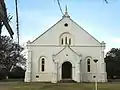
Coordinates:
65 52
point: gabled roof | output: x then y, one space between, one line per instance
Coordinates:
66 15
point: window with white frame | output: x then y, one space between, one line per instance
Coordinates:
88 63
41 64
65 38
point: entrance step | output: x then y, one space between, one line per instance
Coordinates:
67 81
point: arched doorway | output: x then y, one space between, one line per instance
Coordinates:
67 70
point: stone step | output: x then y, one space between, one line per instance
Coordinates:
67 81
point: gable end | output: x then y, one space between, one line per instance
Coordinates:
46 31
85 31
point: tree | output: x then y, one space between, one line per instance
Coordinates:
17 73
112 60
9 55
3 73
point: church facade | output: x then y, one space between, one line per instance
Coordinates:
65 51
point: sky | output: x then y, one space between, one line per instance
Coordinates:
101 20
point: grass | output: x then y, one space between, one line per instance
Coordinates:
60 86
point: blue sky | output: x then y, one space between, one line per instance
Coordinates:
98 18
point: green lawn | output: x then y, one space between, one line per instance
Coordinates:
60 86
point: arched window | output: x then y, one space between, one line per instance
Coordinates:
88 65
62 41
69 41
65 40
43 65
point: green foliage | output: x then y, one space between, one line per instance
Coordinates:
3 73
17 73
112 60
9 55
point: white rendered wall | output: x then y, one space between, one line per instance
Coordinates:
83 43
49 69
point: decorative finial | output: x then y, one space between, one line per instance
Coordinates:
66 12
66 9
